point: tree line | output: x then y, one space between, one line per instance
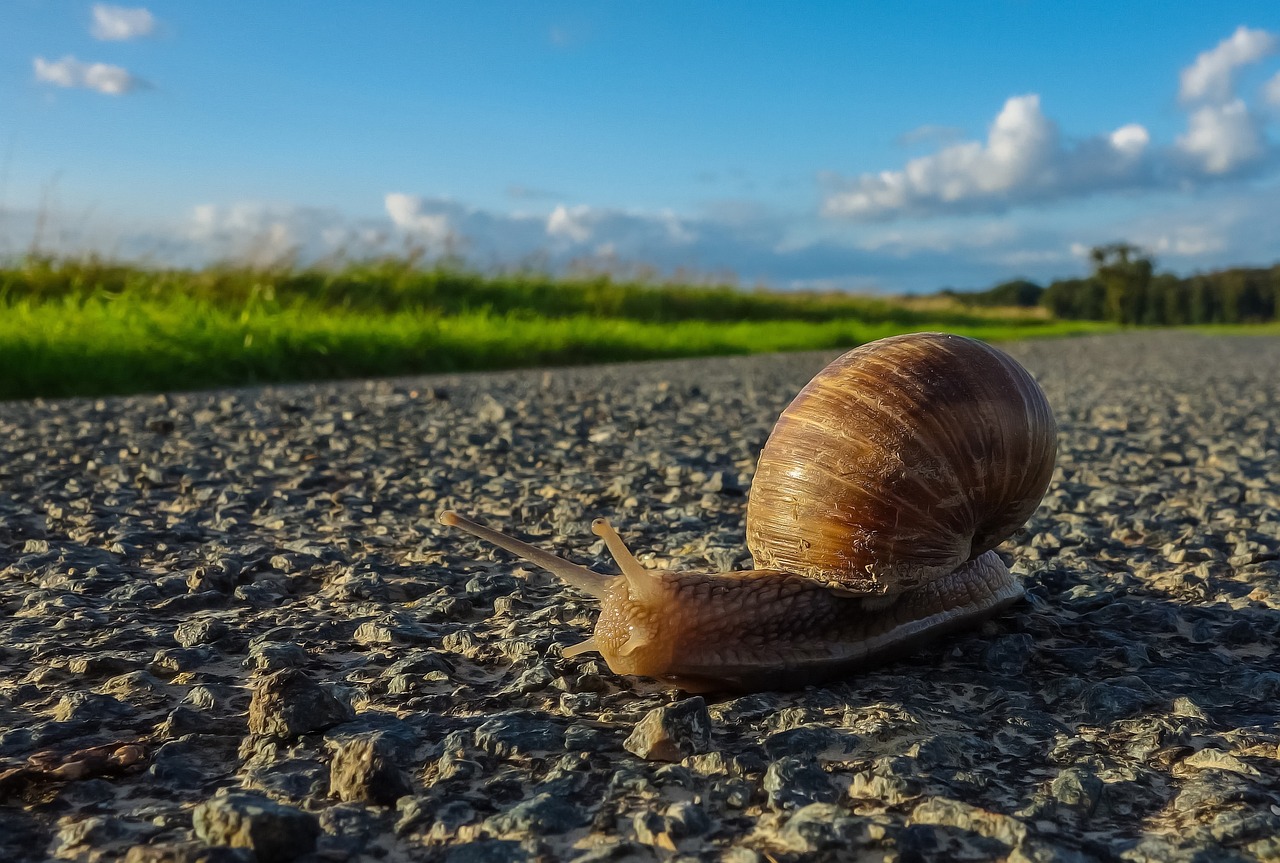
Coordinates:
1125 289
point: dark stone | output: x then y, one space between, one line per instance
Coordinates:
187 602
274 833
809 740
297 779
672 732
398 737
454 814
794 782
364 770
288 703
193 633
1009 654
352 826
182 721
519 733
541 814
488 851
188 852
1106 702
177 660
181 766
276 656
955 751
86 707
685 819
584 738
1077 788
219 577
1239 633
822 827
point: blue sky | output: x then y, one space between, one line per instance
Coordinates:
891 147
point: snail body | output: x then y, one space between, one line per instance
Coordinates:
876 504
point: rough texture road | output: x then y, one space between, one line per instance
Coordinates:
231 628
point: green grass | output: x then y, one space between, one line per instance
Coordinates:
85 328
1270 328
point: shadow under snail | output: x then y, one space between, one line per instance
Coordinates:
875 508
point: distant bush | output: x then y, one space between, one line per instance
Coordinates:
1125 289
1018 292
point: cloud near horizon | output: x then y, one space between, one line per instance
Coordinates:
1222 228
1026 160
99 77
121 23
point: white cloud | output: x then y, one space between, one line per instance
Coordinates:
1271 91
1192 241
408 214
1231 226
1023 159
1131 139
935 237
70 72
267 234
1223 138
121 23
569 224
1026 160
1218 225
1222 226
1211 77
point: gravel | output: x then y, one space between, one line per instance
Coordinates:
231 628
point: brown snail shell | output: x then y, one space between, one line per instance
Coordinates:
898 462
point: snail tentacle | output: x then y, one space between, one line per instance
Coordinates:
578 576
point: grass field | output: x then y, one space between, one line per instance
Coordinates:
89 328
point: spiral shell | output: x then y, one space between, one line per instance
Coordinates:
898 462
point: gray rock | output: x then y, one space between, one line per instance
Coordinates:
204 630
188 852
1105 702
519 733
1009 654
822 827
540 814
297 779
184 765
685 819
672 732
352 828
364 769
809 741
488 851
77 836
1078 788
275 833
220 577
266 656
182 721
650 828
86 707
176 660
288 703
795 782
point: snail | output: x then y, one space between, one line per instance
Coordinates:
872 518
